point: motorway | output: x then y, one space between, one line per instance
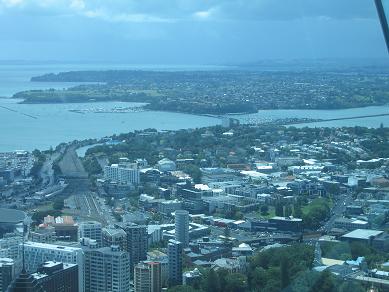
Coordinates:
92 207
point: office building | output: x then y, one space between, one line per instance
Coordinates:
124 173
163 260
114 236
287 224
137 242
175 262
45 235
147 277
36 253
25 282
9 246
57 276
92 230
182 227
106 269
7 272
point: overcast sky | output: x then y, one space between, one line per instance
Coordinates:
188 31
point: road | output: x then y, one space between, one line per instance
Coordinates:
337 211
91 207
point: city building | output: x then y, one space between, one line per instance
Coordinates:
154 233
92 230
124 173
362 235
287 223
165 165
106 269
118 190
167 207
25 282
7 272
36 253
9 246
65 227
351 224
215 174
137 242
191 277
114 236
44 235
147 277
163 260
182 227
11 221
57 276
175 250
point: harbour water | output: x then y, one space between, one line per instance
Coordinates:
41 126
371 122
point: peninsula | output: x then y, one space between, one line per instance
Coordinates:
219 92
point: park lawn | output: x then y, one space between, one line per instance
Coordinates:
319 201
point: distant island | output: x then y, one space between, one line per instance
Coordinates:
219 92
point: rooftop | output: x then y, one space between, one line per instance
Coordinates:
362 234
11 216
51 246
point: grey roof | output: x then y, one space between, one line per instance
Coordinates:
11 216
362 234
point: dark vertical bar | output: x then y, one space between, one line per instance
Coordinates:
384 21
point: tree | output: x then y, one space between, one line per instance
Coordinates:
257 278
182 288
212 283
279 210
264 210
92 166
288 211
318 211
285 279
235 282
194 172
58 204
297 211
348 286
325 283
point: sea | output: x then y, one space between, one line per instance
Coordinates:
41 126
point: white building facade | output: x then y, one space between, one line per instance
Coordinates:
123 173
36 253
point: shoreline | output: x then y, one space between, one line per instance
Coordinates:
222 115
141 106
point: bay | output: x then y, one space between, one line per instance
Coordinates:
41 126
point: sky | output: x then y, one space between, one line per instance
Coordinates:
188 31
